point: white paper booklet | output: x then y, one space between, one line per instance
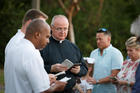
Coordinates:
65 79
67 63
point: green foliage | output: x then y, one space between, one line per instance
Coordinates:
1 81
1 77
11 14
116 16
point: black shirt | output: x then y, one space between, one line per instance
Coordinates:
56 52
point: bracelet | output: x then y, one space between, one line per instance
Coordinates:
128 84
97 82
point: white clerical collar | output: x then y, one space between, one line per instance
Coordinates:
60 41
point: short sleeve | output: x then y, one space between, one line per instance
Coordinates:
36 74
92 54
117 60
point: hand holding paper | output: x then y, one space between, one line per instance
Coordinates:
60 73
75 69
65 79
67 63
58 68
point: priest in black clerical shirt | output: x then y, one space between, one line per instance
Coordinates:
60 49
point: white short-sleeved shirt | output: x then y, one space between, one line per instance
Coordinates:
13 42
85 85
111 59
24 70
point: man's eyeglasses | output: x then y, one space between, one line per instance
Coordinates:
61 29
102 30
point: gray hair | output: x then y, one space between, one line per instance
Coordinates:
57 16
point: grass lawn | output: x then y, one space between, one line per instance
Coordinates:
1 81
1 91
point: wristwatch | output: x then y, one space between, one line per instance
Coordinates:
128 83
97 82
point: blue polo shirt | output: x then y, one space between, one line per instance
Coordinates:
111 59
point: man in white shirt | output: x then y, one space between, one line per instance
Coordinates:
25 72
28 17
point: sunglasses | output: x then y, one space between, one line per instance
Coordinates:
102 30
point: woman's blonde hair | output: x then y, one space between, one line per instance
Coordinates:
131 42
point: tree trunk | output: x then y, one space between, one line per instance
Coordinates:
70 12
71 33
36 4
97 22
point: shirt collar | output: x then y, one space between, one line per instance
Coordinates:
60 41
106 49
29 43
19 30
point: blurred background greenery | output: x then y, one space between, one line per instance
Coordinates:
115 15
1 81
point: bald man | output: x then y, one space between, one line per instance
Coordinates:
25 73
15 40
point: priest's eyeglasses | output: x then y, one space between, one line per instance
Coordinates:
60 29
